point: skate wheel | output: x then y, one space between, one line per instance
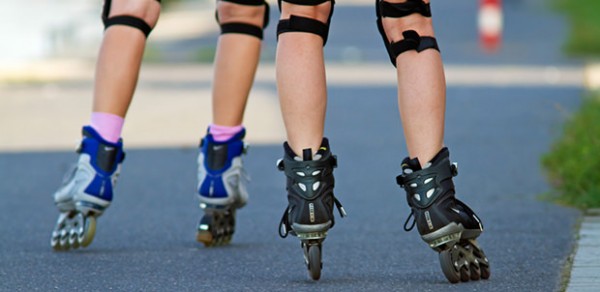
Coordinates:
205 238
482 262
74 238
449 267
60 235
205 231
64 239
465 273
227 239
87 230
77 227
484 271
55 242
216 229
314 262
475 272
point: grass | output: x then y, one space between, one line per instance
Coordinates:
573 164
584 19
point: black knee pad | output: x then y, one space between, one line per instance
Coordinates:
124 20
305 24
245 28
412 40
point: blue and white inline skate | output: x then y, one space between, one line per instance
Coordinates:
87 191
445 223
222 189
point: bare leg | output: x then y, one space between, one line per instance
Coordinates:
421 88
301 80
120 57
235 63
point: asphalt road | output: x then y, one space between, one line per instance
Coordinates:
145 241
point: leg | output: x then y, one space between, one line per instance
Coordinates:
88 189
121 52
302 33
421 81
238 52
301 73
448 225
221 176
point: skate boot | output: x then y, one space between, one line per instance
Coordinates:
221 188
309 214
446 224
87 191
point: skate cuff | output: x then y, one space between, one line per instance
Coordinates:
424 186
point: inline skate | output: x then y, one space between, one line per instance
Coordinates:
445 223
87 191
309 214
221 188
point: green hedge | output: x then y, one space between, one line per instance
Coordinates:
584 19
573 164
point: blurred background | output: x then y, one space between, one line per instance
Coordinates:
472 31
521 76
48 51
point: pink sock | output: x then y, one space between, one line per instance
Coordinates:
223 133
109 126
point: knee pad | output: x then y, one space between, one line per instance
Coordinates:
412 40
245 28
127 20
305 24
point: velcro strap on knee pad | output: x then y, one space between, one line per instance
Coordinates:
396 10
245 28
413 41
246 2
304 2
304 24
127 20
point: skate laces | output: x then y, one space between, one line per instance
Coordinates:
409 166
414 222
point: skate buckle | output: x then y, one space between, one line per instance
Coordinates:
312 235
454 237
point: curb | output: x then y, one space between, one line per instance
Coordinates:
585 269
586 263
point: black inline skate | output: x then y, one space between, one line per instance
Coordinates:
221 188
445 223
309 214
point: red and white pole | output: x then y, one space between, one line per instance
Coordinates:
490 25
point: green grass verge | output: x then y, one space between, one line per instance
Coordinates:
584 19
573 164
